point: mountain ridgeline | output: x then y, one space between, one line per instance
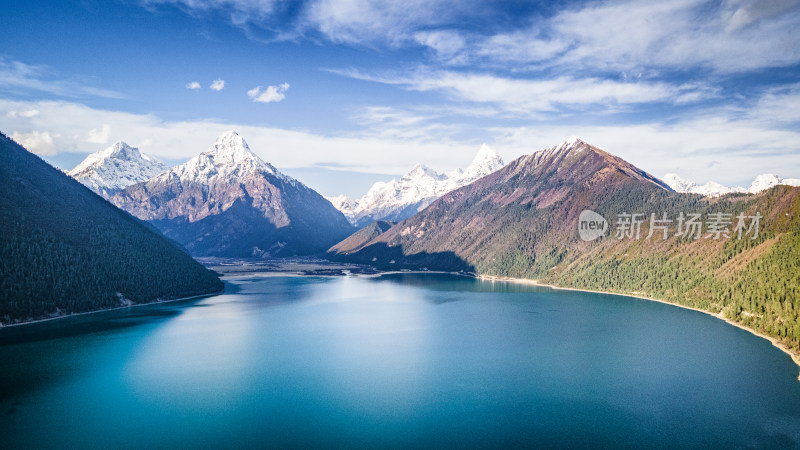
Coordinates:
522 221
65 250
228 202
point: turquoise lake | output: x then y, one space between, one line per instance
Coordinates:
403 360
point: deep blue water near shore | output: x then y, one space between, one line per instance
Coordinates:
407 360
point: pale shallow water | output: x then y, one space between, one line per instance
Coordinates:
405 360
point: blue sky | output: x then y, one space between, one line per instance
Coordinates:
341 93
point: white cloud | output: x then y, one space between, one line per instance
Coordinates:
239 11
713 148
778 106
16 76
27 114
217 84
726 36
746 12
37 142
735 36
393 23
448 45
529 96
270 94
194 85
180 140
99 136
728 146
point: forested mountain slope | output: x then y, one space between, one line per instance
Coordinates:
63 249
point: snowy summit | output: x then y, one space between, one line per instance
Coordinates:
109 171
227 160
399 199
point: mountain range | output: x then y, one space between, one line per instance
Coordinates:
400 199
523 221
65 250
227 201
714 189
109 171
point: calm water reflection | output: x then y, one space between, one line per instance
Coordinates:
402 360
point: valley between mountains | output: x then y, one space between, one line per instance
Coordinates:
517 220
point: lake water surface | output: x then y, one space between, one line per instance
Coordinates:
406 360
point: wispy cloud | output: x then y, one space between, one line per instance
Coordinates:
371 22
217 85
17 76
526 96
269 95
194 85
727 37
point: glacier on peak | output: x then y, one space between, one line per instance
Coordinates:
114 168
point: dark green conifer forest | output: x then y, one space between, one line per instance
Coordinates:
63 249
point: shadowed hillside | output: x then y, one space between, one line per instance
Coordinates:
65 250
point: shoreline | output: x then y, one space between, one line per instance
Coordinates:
794 356
256 274
116 308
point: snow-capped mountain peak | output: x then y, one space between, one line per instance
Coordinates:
421 186
114 168
677 183
485 162
768 180
231 146
228 159
714 189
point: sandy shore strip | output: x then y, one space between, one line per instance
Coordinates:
132 305
794 355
